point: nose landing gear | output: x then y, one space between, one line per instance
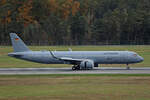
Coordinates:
128 68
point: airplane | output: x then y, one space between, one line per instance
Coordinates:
81 60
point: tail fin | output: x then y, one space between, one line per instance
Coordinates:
17 43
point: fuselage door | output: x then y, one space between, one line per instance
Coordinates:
124 57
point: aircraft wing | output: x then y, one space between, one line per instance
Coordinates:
67 59
71 59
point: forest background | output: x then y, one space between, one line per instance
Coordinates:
76 22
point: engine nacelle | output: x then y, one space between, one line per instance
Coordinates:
87 64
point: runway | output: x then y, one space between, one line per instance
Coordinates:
100 70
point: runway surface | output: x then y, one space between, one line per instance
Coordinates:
100 70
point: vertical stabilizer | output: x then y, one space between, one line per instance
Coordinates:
17 43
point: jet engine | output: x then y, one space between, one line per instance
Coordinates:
87 64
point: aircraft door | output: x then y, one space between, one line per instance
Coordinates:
124 57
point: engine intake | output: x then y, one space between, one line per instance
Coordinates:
87 64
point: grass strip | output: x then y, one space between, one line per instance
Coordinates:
66 75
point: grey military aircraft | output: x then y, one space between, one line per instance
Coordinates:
79 59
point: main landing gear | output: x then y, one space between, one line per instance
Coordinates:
78 67
75 67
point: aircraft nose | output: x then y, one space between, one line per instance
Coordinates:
141 58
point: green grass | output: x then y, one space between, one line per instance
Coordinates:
72 75
8 62
75 88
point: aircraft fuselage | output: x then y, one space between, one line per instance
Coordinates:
99 57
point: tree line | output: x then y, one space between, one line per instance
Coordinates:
76 21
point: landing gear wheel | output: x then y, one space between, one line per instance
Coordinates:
128 68
76 67
73 68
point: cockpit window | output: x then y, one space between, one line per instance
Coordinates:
134 55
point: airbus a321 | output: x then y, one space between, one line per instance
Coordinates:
79 59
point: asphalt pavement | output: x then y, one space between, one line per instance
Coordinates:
99 70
